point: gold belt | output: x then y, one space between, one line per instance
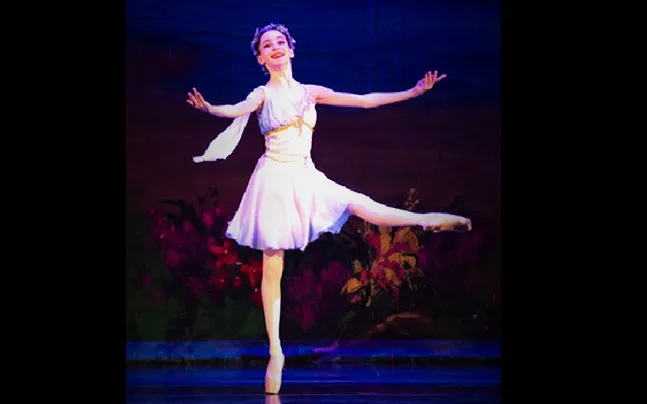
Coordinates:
298 123
287 158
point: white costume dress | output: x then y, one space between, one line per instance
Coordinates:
288 203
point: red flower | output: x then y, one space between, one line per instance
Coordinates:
256 297
390 265
396 248
217 250
187 227
373 240
254 273
225 254
238 281
230 259
208 219
255 264
219 280
173 259
216 265
229 244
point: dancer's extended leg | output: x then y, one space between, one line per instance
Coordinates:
271 294
383 215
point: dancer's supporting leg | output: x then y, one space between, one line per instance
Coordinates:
383 215
271 294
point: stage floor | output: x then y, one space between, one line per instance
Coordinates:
331 383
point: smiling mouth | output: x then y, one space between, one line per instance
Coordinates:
278 55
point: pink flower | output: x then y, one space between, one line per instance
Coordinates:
208 219
187 227
172 259
307 317
355 297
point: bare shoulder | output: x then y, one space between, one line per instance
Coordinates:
257 94
318 92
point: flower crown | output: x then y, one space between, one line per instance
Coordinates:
271 27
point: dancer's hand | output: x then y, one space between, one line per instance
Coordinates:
197 101
427 82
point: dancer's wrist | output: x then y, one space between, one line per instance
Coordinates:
414 92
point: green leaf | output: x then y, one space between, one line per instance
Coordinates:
204 322
153 261
349 316
236 316
151 325
254 325
213 320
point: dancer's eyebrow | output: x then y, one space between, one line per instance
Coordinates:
278 37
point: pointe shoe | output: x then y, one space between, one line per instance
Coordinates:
438 222
274 374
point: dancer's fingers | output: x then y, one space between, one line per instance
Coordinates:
197 94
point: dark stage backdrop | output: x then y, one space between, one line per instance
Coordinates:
185 282
357 46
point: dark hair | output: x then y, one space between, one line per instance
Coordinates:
270 27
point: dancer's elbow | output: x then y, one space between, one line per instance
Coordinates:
226 111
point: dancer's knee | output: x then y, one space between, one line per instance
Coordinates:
361 205
271 253
272 265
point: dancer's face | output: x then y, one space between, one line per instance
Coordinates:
274 49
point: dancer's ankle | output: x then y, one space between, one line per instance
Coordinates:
276 350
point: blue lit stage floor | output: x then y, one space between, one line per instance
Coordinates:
327 384
351 374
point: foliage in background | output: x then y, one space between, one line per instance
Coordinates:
186 281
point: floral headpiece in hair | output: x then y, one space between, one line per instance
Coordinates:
271 27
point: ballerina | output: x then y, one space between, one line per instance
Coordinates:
288 202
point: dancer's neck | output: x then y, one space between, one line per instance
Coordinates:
282 77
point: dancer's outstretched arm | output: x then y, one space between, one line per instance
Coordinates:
248 105
328 96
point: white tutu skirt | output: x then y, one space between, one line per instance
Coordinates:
289 205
